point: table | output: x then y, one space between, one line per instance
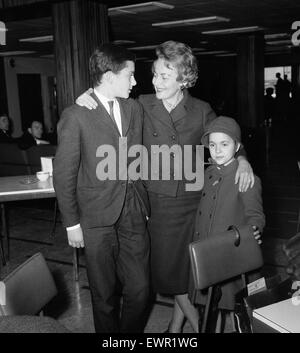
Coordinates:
283 317
27 187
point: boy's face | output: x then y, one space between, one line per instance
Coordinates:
222 147
124 80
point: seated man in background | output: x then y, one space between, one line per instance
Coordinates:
32 136
5 134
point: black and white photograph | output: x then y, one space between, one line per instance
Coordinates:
149 169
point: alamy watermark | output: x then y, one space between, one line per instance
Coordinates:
2 294
296 295
2 33
296 35
166 163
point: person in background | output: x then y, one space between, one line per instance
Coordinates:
5 133
173 117
106 216
222 204
32 136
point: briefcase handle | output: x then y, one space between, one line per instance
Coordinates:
237 240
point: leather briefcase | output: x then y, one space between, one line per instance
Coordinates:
224 255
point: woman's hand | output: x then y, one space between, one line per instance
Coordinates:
257 235
85 100
244 175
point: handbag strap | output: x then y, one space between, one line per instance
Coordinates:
237 240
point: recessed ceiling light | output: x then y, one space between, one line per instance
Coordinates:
191 21
276 35
213 52
145 47
123 41
41 39
234 30
136 8
229 54
279 42
11 53
198 49
48 56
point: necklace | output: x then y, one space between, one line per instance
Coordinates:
171 106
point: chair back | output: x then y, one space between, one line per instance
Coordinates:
222 257
28 288
13 161
35 153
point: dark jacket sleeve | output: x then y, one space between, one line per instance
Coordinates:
66 166
253 205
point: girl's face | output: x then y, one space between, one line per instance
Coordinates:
164 79
222 147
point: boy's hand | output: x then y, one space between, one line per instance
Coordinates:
85 100
244 175
75 238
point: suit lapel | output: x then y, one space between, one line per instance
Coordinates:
101 111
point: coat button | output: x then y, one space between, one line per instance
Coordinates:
173 137
203 194
155 134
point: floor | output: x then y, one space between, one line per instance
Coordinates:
30 225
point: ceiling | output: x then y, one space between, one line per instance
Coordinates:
271 16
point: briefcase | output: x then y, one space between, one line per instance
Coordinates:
224 255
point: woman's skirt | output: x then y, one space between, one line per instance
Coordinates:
171 228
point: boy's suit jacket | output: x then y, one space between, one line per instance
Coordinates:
82 197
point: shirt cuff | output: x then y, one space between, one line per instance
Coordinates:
73 227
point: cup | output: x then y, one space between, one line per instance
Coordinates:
42 176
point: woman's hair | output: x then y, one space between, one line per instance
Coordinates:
108 57
181 56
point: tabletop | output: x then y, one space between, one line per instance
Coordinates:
25 187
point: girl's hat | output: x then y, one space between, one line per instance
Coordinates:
222 124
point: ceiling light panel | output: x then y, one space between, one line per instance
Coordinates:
191 21
146 47
13 53
41 39
138 8
233 30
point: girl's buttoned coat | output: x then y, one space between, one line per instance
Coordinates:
222 205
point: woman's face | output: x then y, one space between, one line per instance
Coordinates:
164 79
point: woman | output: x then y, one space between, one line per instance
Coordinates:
173 117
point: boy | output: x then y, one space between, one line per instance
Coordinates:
106 217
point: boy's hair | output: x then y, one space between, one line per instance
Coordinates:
108 57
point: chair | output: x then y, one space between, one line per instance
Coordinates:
35 153
28 288
216 259
13 161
